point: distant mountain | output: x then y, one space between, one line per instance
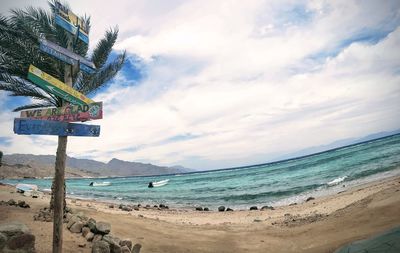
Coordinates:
83 167
338 144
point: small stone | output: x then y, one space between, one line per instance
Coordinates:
100 247
126 242
89 237
24 241
293 204
11 202
136 248
264 208
103 227
253 208
309 199
229 209
257 220
85 231
82 245
199 208
162 206
91 223
77 227
206 209
3 240
111 206
221 208
125 249
97 238
73 201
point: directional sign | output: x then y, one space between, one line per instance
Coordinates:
56 87
70 113
65 55
71 22
47 127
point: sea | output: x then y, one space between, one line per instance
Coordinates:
277 183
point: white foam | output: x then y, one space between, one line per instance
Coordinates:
336 181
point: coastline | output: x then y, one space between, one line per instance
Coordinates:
320 225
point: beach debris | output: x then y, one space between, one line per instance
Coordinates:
257 220
100 247
253 208
309 199
293 204
111 206
199 208
16 237
103 228
229 209
221 209
82 245
264 208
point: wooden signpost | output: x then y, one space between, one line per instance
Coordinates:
70 22
47 127
67 56
69 113
56 87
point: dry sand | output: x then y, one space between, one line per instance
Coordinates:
321 225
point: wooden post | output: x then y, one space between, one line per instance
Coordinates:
59 178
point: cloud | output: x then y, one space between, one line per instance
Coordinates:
219 84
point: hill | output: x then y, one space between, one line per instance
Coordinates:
28 165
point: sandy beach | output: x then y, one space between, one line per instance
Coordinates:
320 225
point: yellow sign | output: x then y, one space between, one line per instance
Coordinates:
59 86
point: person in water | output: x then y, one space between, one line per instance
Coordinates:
151 185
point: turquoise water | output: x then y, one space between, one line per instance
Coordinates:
276 183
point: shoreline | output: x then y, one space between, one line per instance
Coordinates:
320 225
323 191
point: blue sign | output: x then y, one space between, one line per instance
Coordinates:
66 56
47 127
71 28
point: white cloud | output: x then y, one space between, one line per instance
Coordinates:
233 83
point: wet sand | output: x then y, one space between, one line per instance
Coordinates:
320 225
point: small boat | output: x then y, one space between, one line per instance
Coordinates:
26 187
158 184
100 184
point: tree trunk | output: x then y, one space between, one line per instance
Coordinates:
59 178
58 194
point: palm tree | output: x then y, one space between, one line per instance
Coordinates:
19 47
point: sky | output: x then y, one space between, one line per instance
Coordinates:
217 84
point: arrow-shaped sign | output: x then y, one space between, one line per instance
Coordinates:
66 56
56 87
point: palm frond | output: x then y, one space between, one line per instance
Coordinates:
104 47
101 77
33 106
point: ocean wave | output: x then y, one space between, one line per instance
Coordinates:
336 181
